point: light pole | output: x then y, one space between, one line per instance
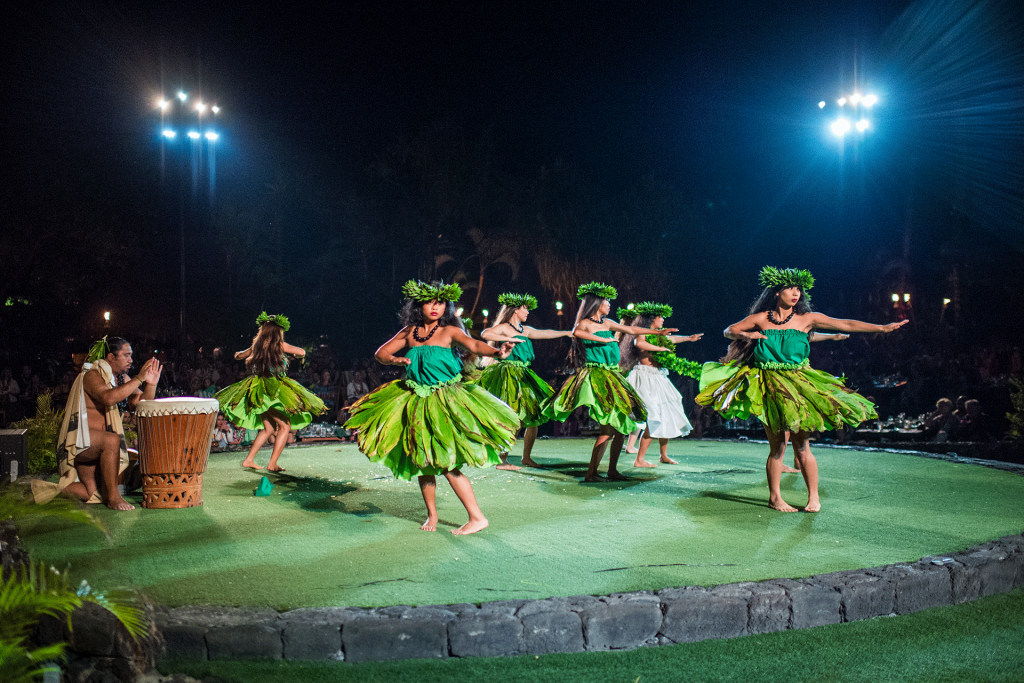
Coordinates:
176 117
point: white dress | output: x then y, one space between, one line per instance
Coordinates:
665 416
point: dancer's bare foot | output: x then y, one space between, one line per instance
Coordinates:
668 461
507 466
471 527
617 476
119 503
643 463
632 450
250 465
593 478
789 470
275 469
781 506
813 506
430 524
529 462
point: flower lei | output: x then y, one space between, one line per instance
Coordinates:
670 361
423 292
279 320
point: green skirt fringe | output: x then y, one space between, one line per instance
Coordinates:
804 399
244 403
610 398
416 435
519 387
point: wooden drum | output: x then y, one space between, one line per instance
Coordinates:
175 435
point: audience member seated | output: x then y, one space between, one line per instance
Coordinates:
976 426
939 425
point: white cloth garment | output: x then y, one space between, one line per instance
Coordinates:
665 416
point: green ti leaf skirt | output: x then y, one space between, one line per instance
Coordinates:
519 387
431 432
612 401
797 400
244 403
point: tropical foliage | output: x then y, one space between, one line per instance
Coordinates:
42 436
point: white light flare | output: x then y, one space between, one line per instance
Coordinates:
840 127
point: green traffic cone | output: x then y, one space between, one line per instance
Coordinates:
264 488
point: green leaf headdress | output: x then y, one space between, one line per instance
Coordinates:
786 277
598 289
278 320
423 292
627 313
518 300
653 310
98 351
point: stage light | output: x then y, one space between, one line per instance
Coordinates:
106 316
215 109
558 307
862 125
629 307
946 302
485 312
168 133
459 310
895 298
211 136
841 101
194 135
821 105
182 96
870 101
841 127
906 297
200 107
163 104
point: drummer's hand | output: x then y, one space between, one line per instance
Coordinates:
150 371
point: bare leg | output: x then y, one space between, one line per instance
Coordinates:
280 441
777 449
631 444
663 446
464 490
809 467
257 444
613 458
428 487
505 464
645 443
598 453
529 436
97 471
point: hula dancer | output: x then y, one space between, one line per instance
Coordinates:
648 360
766 374
597 382
431 422
511 379
268 397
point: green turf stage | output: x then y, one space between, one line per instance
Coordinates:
338 530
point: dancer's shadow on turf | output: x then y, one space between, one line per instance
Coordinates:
315 494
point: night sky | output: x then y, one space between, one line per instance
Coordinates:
716 99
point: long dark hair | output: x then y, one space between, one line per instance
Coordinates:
411 315
267 357
743 349
588 307
629 355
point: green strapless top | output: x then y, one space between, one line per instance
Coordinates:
601 352
782 350
432 365
523 351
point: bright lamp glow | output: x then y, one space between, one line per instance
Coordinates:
194 135
182 96
629 307
862 125
558 306
841 101
895 298
821 105
906 297
106 316
163 104
215 109
945 302
211 136
168 133
870 101
200 107
841 127
459 310
485 312
855 99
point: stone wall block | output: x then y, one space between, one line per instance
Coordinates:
997 572
507 607
244 641
812 603
552 631
307 640
620 625
919 586
865 597
94 631
184 641
769 610
696 614
372 639
966 581
485 634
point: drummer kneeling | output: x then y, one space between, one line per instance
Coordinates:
90 460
